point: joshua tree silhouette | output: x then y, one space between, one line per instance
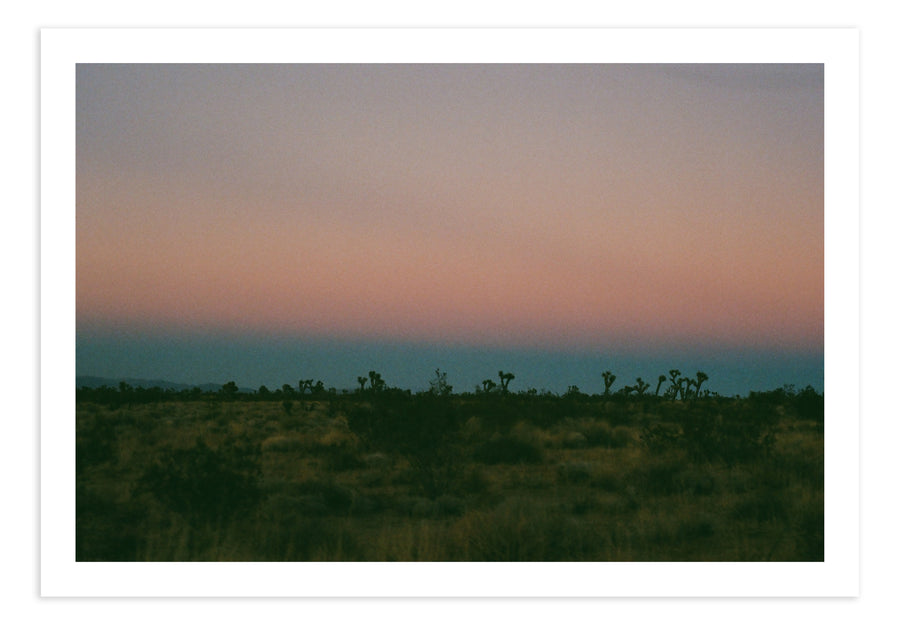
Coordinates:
677 384
376 384
504 381
640 387
662 379
608 379
701 378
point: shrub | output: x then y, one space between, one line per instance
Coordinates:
423 429
737 438
574 440
290 533
659 475
660 438
598 433
95 441
282 444
519 531
762 506
574 472
508 450
333 497
206 485
707 436
105 530
621 436
340 458
810 405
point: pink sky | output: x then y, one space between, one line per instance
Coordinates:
566 206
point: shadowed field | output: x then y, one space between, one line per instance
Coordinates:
386 475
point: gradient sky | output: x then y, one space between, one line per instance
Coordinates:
576 211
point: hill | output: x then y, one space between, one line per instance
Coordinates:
90 381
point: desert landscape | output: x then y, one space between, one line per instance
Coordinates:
306 473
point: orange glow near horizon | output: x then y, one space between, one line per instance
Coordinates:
633 205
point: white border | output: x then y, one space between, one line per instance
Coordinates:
62 576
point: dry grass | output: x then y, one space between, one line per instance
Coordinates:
596 493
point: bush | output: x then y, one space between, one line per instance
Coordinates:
95 441
737 438
105 530
206 485
423 429
621 437
598 433
334 498
810 405
519 531
340 458
574 472
508 450
710 437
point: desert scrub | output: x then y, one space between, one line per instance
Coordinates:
574 472
602 434
598 433
284 444
518 530
206 485
508 450
443 478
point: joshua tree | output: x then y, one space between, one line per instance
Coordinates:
608 379
504 381
488 385
701 378
677 382
686 389
439 386
641 387
662 379
362 382
376 384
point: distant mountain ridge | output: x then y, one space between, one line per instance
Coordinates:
91 381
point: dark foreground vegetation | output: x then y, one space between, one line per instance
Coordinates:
668 472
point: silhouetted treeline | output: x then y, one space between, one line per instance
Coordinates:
671 387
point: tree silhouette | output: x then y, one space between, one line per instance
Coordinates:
701 378
229 389
438 385
662 379
505 379
608 379
376 384
641 387
677 384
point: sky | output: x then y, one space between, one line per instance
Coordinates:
266 223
